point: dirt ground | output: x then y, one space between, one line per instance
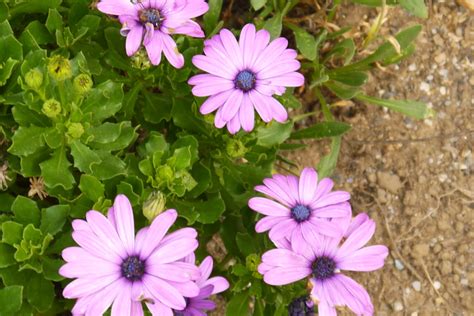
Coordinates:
415 178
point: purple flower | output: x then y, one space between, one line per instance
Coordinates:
323 265
300 208
153 21
197 305
244 75
114 267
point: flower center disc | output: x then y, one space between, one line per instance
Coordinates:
300 213
323 268
133 268
245 80
152 16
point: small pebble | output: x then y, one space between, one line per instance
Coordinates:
399 265
412 67
398 306
442 177
425 87
416 286
464 282
437 285
414 314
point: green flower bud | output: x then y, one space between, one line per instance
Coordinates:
235 148
83 83
59 68
154 205
51 108
34 78
75 130
140 60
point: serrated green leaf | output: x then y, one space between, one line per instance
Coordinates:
32 235
321 130
274 25
104 100
51 268
341 90
34 6
350 78
30 164
211 210
27 140
111 166
40 292
26 211
53 219
157 107
126 135
258 4
12 233
55 171
4 12
246 243
305 42
6 70
84 157
91 187
54 21
273 134
10 47
211 18
53 138
24 116
11 298
6 255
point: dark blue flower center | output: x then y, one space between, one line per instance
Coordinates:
300 213
301 306
245 80
152 16
323 268
133 268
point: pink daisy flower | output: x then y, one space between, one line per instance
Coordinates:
245 75
323 266
113 267
300 208
151 22
196 306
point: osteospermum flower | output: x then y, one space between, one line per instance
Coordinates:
153 21
300 208
323 266
196 306
243 76
113 267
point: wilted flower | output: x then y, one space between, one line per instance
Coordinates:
323 265
51 108
301 208
59 68
154 22
4 178
34 78
114 267
245 75
195 306
37 188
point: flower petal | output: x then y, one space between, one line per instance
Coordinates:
219 284
158 229
268 207
173 251
307 185
164 292
284 229
125 222
134 39
171 51
285 275
357 239
246 114
284 258
365 259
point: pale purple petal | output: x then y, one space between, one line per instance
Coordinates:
246 114
134 39
336 210
187 289
89 242
176 271
210 66
277 109
292 79
355 223
266 223
164 292
307 185
116 7
104 230
125 222
365 259
79 224
262 38
186 232
84 287
299 244
247 44
260 104
331 198
123 302
154 49
357 239
171 51
214 87
268 207
158 228
231 46
206 269
233 126
285 275
104 298
284 229
219 284
279 69
233 104
326 227
214 102
284 258
270 54
324 187
173 251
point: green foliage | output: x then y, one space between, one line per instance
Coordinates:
89 122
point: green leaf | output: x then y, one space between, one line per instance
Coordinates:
246 243
26 211
416 109
27 140
341 90
10 47
211 18
91 187
55 171
6 255
416 7
321 130
51 268
327 164
111 166
12 233
344 49
126 135
25 116
3 12
34 35
40 292
157 107
258 4
53 219
6 70
238 305
353 78
211 210
104 100
10 300
306 43
274 25
53 137
273 134
54 21
34 6
84 157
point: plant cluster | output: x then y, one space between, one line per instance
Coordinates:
130 98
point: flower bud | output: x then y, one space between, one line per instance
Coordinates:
59 68
235 148
83 83
301 306
51 108
140 60
34 78
75 130
154 205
